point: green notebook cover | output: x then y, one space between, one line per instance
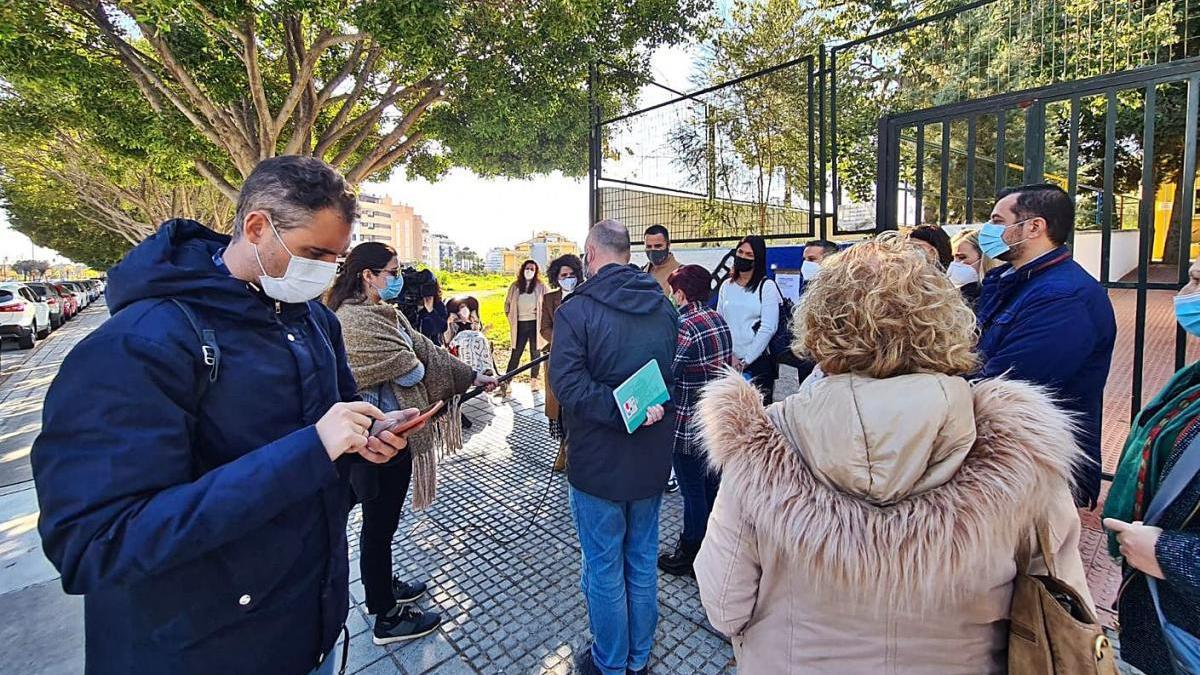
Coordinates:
635 396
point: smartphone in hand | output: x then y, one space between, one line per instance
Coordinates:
400 426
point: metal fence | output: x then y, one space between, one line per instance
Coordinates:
737 158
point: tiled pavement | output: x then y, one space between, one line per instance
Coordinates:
42 633
504 573
498 546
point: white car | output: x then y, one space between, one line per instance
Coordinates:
22 315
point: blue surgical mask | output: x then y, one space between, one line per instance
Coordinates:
1187 312
395 286
991 238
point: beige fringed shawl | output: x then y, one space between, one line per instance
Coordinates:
379 354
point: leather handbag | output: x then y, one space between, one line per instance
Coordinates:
1052 630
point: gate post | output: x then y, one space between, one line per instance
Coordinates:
593 146
887 176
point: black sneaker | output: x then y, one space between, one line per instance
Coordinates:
680 562
643 671
585 663
407 591
404 622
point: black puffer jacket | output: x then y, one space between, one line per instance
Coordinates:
611 326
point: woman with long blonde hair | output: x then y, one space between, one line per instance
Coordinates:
871 521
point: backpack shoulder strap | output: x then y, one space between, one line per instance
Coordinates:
210 351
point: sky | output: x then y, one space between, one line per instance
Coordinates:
486 213
475 212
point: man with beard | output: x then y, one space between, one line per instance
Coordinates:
1043 318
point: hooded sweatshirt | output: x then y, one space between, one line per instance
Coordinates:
202 520
609 328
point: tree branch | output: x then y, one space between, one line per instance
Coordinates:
434 94
308 64
337 128
395 155
212 175
348 67
262 109
244 160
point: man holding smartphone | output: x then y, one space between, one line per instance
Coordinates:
200 503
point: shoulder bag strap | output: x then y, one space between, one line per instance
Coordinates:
1177 480
1043 540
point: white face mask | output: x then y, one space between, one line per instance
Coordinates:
810 270
567 284
961 274
529 274
303 280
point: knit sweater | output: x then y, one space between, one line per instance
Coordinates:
382 347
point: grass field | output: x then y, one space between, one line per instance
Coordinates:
489 290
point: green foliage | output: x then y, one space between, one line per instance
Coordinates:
1005 46
183 94
31 269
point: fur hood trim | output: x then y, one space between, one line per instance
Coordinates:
922 552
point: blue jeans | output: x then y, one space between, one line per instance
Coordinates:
698 484
619 541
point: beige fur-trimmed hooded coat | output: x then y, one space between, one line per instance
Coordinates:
871 526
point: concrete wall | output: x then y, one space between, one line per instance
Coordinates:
1123 257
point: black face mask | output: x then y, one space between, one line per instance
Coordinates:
742 265
657 257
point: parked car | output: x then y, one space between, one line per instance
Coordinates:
22 315
49 296
81 296
70 304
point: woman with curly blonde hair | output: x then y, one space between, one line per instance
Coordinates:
871 522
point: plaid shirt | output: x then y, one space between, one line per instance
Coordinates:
703 348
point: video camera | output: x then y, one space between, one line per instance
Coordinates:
417 284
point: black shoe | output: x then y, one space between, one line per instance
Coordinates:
643 671
672 485
407 591
585 663
466 422
404 622
680 562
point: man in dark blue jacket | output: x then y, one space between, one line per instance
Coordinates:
199 501
1043 318
610 327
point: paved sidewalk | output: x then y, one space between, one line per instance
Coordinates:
43 628
503 571
498 549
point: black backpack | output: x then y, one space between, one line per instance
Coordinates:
781 342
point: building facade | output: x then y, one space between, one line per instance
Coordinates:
541 248
392 223
494 260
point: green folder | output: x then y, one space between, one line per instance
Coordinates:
635 396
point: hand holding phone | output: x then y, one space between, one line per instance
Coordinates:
398 427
